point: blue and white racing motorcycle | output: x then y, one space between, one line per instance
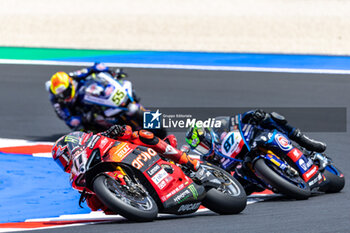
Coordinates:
295 172
113 102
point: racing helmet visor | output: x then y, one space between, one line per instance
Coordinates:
200 140
67 94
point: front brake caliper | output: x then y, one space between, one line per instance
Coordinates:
117 175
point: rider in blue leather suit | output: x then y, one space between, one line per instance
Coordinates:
67 90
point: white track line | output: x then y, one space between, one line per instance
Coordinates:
182 67
6 142
99 215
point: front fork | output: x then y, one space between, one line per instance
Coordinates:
321 160
125 181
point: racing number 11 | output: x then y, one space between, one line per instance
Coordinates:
118 96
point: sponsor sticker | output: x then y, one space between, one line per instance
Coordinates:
312 171
295 154
189 207
182 196
169 150
193 190
317 179
283 142
159 176
121 151
153 170
173 192
162 184
143 157
108 91
302 164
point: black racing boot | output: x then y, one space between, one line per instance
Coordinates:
249 187
306 142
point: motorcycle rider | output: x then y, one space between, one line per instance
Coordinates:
166 148
277 121
201 139
67 90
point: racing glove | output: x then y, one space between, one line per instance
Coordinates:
114 131
74 122
258 116
120 74
254 117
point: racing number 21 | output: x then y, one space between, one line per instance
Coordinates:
118 96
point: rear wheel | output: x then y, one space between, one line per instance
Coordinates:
229 198
132 203
291 186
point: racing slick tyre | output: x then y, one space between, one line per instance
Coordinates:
229 198
293 187
131 205
335 180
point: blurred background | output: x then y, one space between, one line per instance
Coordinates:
264 26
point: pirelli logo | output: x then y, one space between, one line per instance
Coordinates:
119 152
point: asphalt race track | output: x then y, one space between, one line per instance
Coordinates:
27 114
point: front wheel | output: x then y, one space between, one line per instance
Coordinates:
229 198
129 202
334 180
294 187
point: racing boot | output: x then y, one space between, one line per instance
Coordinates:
201 174
247 178
206 178
168 150
306 142
249 187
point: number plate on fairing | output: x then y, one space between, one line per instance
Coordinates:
232 144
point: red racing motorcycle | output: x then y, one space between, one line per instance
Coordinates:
137 183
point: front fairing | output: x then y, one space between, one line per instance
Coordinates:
231 141
84 149
103 90
76 142
78 156
177 192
